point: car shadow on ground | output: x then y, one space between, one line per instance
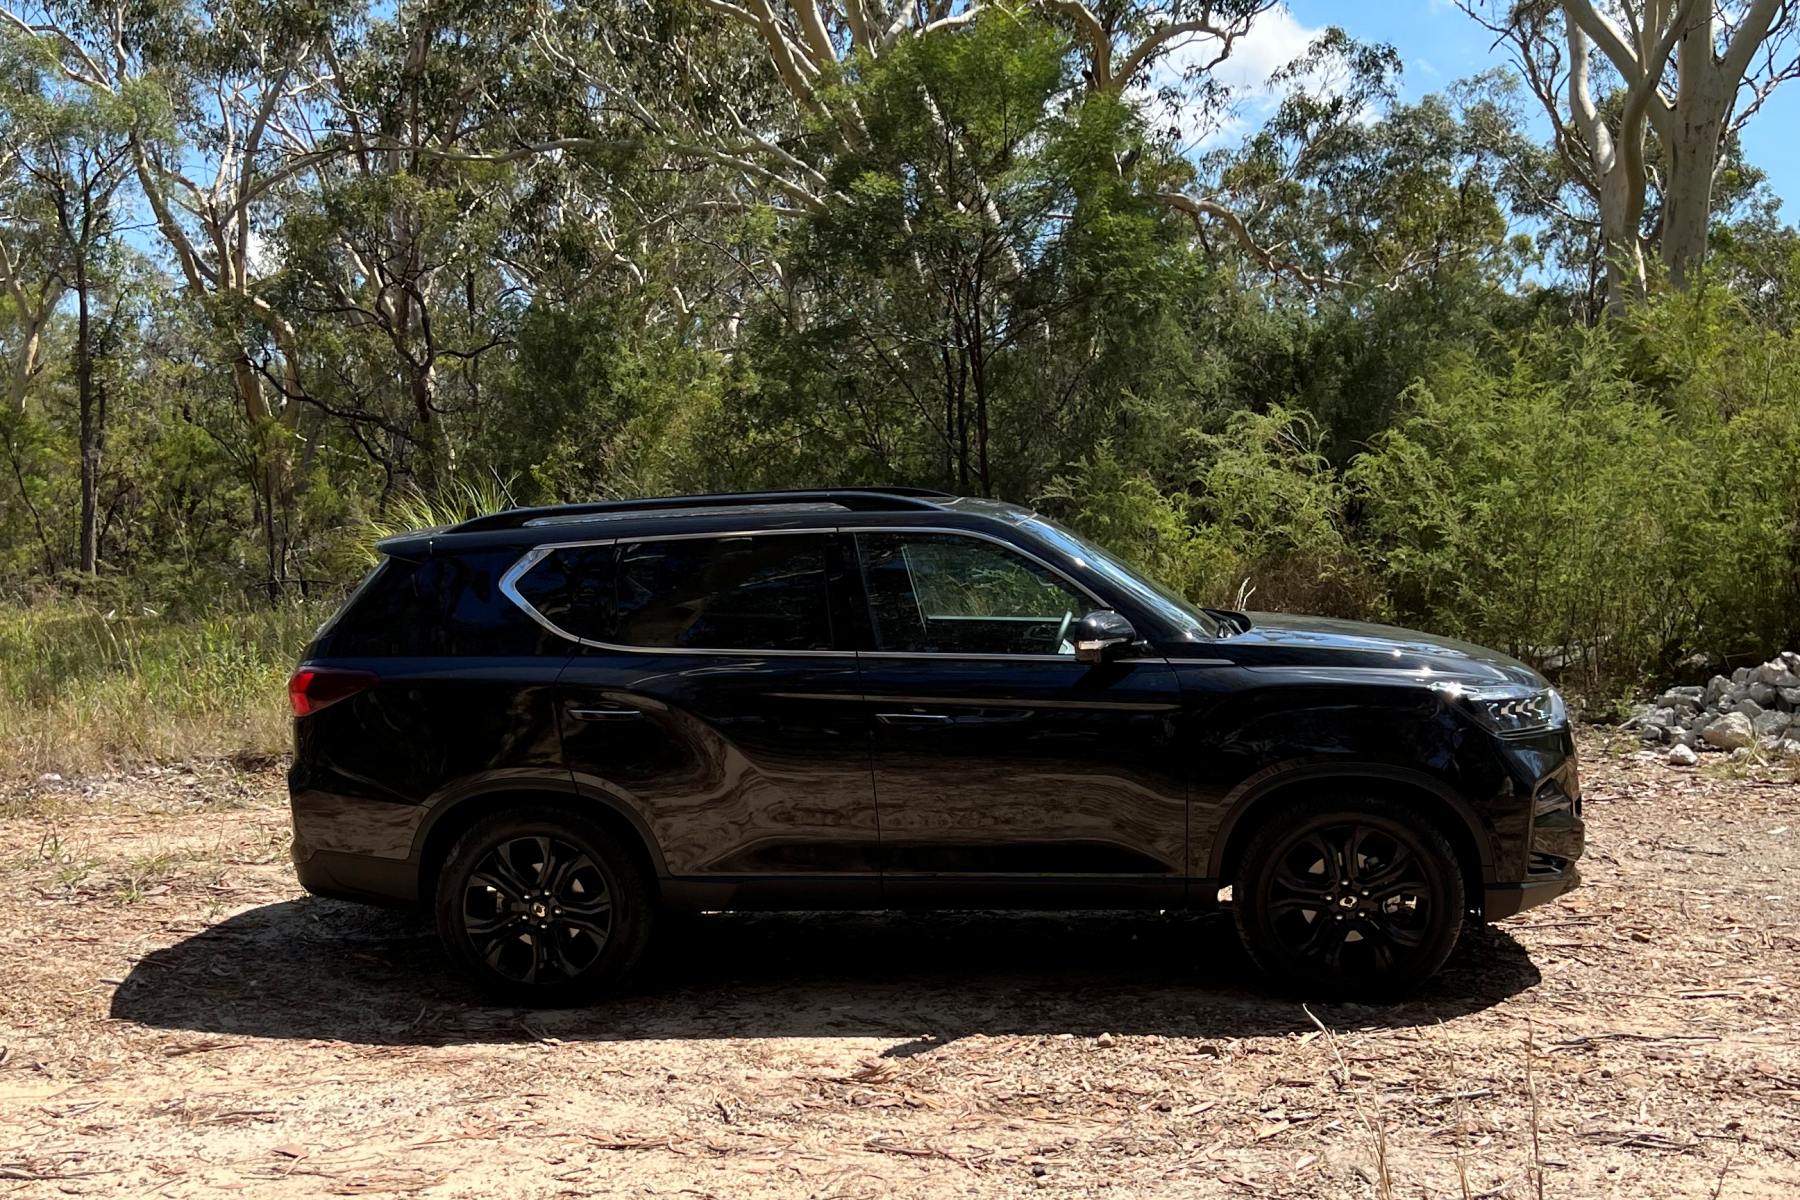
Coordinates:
322 969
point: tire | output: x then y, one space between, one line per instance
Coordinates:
540 907
1348 898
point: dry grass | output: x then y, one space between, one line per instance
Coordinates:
215 1033
82 689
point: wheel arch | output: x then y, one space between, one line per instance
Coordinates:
1431 798
451 816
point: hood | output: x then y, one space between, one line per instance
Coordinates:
1286 640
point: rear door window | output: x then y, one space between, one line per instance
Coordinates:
762 592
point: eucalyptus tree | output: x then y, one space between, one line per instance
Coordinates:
70 155
1646 96
390 248
27 239
221 96
993 291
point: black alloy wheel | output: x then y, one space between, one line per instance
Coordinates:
1359 897
541 908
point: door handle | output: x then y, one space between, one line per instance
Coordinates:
914 718
619 713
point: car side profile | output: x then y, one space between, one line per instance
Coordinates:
551 726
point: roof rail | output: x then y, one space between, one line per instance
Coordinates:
857 499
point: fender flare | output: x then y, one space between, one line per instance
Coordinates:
549 784
1244 799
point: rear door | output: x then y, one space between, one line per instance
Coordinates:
712 698
1006 772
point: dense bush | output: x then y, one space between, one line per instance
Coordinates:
1608 503
1605 502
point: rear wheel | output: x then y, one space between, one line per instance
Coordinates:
1357 897
541 908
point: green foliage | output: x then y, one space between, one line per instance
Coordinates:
994 289
1567 510
82 687
1261 515
491 255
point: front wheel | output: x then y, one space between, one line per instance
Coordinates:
1349 898
542 908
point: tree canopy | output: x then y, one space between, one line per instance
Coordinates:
277 273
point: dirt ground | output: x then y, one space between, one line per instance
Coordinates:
176 1019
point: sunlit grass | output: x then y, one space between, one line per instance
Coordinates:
83 689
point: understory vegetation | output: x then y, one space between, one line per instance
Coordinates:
355 269
83 688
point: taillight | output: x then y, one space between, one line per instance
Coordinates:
313 688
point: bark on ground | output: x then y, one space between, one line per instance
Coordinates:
176 1019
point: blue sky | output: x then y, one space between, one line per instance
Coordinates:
1439 44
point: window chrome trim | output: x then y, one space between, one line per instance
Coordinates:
509 588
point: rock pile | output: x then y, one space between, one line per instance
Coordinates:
1757 709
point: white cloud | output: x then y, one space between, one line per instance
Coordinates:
1276 38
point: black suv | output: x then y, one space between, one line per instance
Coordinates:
552 725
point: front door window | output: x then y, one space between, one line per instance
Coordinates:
943 593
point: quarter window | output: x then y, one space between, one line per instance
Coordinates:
941 593
572 588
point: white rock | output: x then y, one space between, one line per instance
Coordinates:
1763 693
1741 675
1788 748
1683 756
1732 731
1775 673
1789 696
1748 708
1770 725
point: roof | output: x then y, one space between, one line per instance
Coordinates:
856 499
702 512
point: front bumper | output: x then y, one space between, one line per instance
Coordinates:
1557 836
1510 899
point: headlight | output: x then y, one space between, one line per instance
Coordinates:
1515 710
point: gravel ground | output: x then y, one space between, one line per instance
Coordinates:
176 1019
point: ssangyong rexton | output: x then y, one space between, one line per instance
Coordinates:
549 726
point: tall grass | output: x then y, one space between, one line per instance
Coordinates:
83 689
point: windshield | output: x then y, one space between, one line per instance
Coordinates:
1181 616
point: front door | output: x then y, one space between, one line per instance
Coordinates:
1006 772
714 702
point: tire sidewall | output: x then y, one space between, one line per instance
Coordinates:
632 910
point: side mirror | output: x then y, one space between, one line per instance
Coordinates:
1098 635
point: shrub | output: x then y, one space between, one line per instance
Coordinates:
1261 518
1591 507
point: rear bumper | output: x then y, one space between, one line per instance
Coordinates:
361 877
1509 899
